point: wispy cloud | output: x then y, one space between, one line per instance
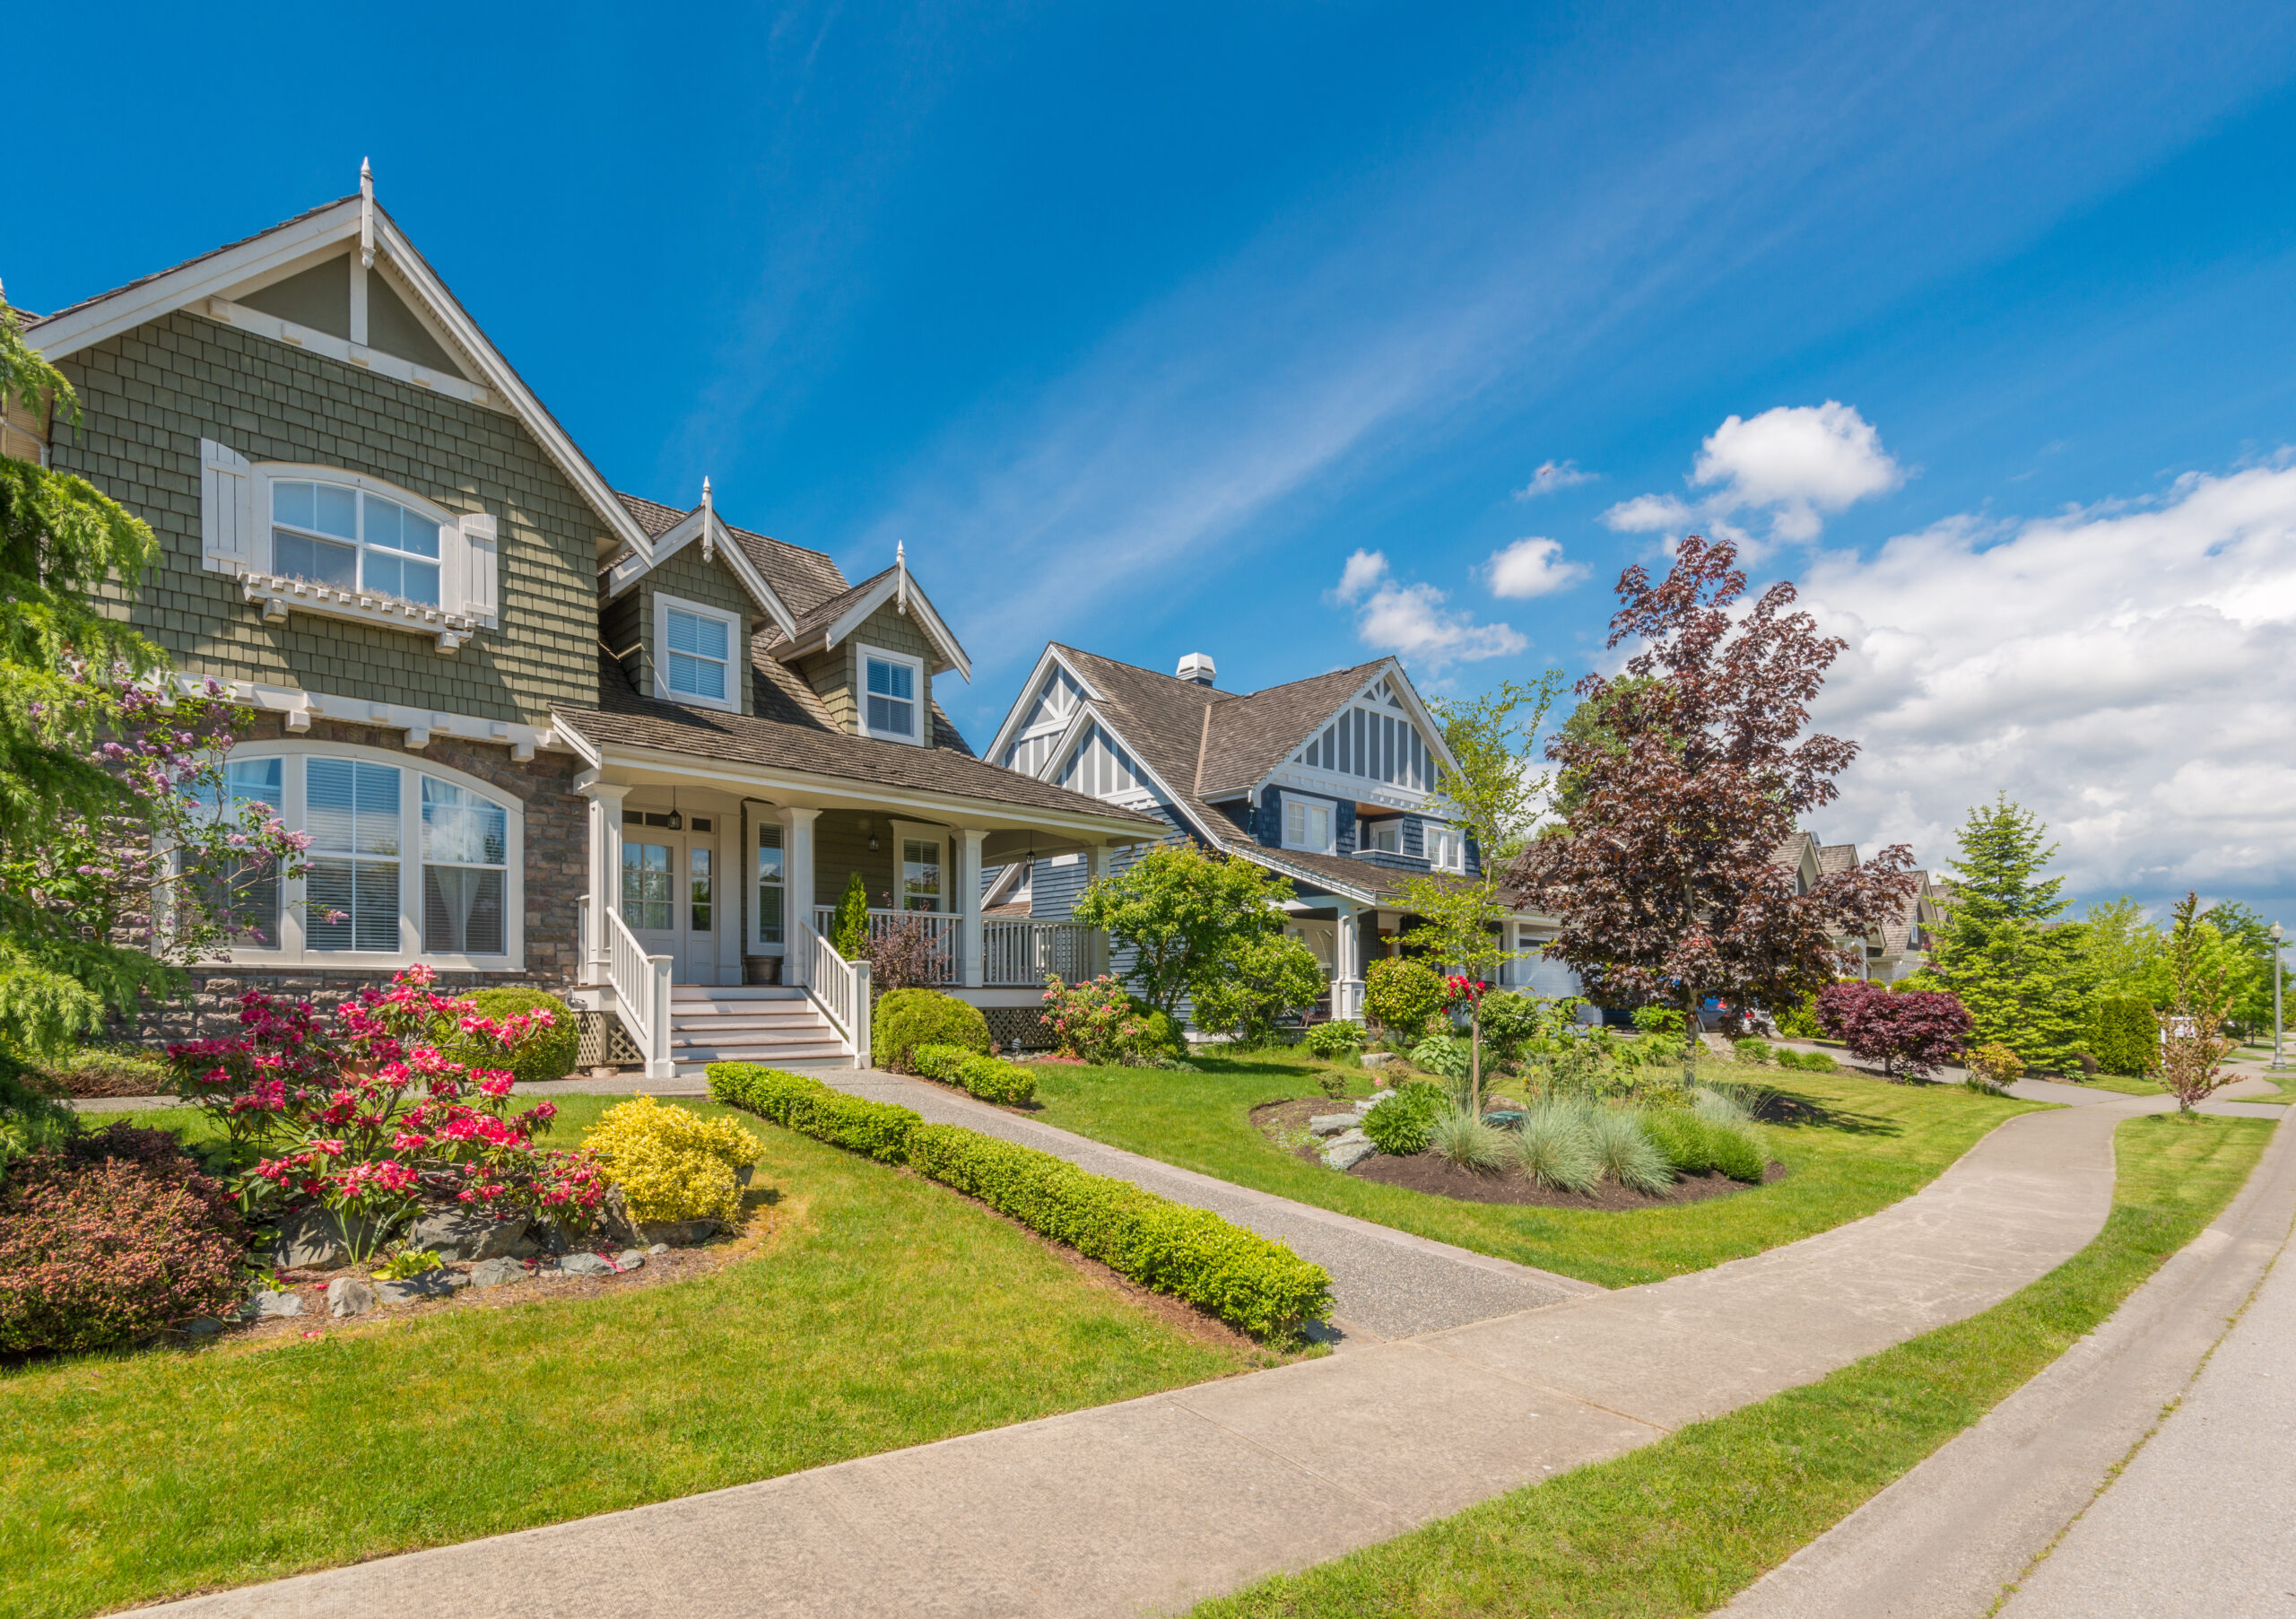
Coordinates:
1552 476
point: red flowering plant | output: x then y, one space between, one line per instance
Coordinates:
405 1102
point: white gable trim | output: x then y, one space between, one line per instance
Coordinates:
217 273
630 568
1088 715
846 623
1049 659
1432 733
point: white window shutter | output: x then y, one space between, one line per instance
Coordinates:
226 507
481 597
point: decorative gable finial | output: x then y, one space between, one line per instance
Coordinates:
366 215
901 585
708 515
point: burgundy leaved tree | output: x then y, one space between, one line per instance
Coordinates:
1910 1032
1682 780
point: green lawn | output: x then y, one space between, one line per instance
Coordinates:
884 1311
1868 1144
1679 1528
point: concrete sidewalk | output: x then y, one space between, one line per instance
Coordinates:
2199 1523
1150 1505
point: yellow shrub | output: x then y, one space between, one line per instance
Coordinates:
671 1163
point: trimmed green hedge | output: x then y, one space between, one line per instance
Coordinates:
907 1019
551 1055
1191 1253
880 1129
1239 1276
984 1076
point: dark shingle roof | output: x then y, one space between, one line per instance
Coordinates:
1835 858
1252 735
826 612
1382 884
196 258
792 733
804 579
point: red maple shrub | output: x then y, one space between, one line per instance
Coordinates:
111 1237
1909 1033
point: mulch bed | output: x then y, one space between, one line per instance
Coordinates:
1433 1173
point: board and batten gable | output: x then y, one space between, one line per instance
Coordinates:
1049 711
626 624
150 395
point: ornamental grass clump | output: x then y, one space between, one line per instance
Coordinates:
671 1163
1466 1141
1553 1147
1624 1149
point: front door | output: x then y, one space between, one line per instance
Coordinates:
670 898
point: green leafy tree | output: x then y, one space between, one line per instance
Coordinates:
2192 1045
2021 970
1496 786
1462 927
1402 994
1257 980
2246 939
1180 912
2128 953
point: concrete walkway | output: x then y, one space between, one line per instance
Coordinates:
1150 1505
2199 1524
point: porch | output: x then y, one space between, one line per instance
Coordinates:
714 941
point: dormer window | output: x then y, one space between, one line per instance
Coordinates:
892 683
325 534
694 646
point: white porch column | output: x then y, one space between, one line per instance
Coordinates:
970 964
605 876
1347 964
797 880
1102 863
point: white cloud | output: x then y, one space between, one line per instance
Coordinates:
1364 569
1799 463
1552 476
1531 567
1411 621
2126 672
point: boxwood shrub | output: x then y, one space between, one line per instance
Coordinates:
1192 1254
907 1019
880 1129
550 1055
984 1076
1239 1276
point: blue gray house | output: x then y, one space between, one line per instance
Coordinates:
1330 781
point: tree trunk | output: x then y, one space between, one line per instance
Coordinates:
1474 1056
1690 1037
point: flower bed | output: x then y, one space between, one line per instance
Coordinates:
1236 1274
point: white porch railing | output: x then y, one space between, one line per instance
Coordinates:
839 986
641 995
1024 953
1013 953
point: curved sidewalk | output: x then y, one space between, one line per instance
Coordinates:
1150 1505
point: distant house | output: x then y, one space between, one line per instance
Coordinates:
1902 944
1330 780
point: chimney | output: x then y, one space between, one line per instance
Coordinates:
1197 669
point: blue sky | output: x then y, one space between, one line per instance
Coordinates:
1136 325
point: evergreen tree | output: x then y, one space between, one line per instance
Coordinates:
2022 972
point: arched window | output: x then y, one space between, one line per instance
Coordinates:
407 861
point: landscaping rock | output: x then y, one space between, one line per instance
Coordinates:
459 1234
659 1248
629 1259
496 1273
1345 1154
1378 1059
430 1284
310 1240
348 1296
269 1305
1332 1124
677 1233
202 1327
585 1265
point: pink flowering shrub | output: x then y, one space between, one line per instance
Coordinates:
1095 1021
109 1238
371 1117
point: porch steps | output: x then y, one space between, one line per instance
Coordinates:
779 1027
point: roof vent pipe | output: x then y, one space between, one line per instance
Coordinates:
1197 669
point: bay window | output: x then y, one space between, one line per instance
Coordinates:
405 864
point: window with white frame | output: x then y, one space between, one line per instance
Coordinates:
772 874
1386 837
249 893
893 685
1307 824
1447 848
403 863
346 538
694 653
921 887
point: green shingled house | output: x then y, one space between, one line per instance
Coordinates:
540 730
